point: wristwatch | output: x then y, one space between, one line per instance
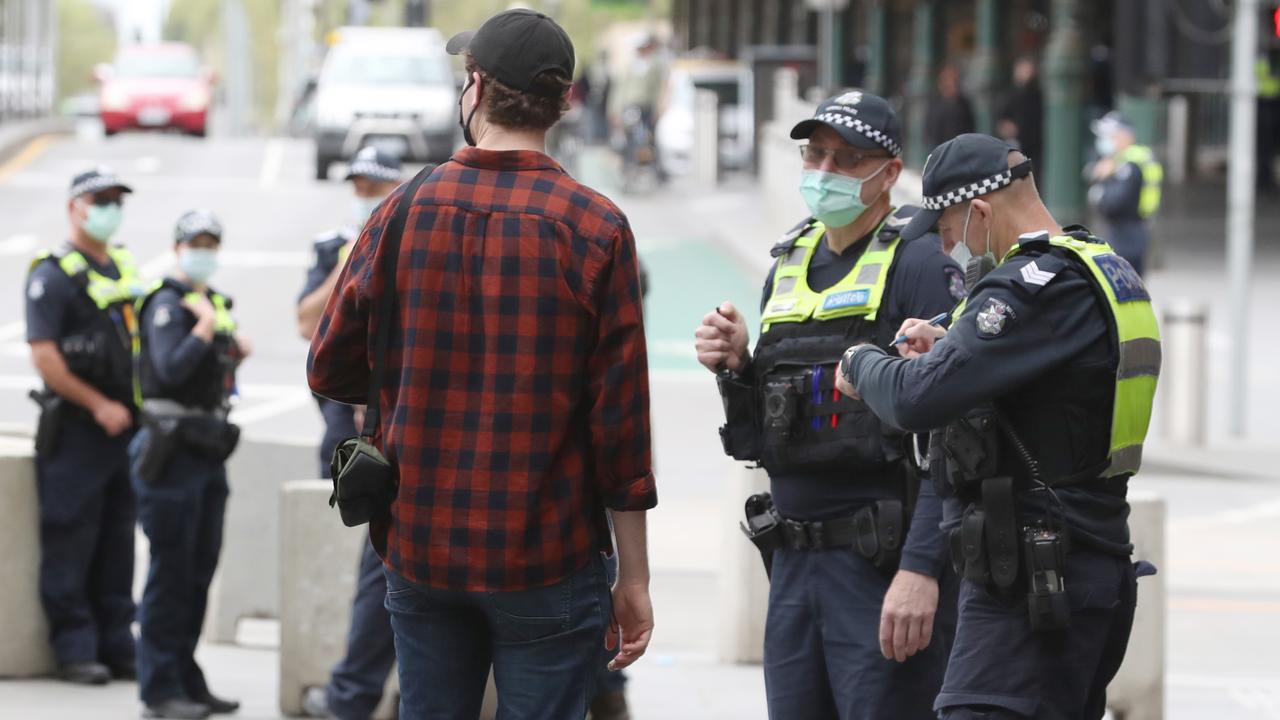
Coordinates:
846 362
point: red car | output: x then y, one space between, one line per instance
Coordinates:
155 87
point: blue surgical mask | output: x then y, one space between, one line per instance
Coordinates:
1105 146
834 200
102 221
198 264
362 209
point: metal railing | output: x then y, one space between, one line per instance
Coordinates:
28 37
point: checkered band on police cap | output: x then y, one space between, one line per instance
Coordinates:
971 191
195 223
871 133
96 180
372 162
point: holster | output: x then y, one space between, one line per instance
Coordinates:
209 437
1045 556
53 412
158 446
763 527
741 433
364 484
971 445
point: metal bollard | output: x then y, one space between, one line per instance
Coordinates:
1182 378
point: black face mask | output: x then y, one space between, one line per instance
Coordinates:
466 124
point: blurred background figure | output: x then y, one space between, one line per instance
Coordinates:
949 113
187 356
637 105
1022 116
1267 68
1125 187
355 685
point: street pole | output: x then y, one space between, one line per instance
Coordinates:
1240 204
924 58
985 66
877 46
1064 121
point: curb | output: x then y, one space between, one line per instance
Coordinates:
15 135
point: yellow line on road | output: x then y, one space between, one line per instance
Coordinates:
26 156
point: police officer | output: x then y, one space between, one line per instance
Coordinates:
80 325
859 619
355 685
1125 187
187 356
1044 386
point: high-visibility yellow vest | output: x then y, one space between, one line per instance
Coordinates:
1152 176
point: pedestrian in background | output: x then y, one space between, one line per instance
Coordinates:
80 326
357 680
516 395
1022 115
949 113
1126 180
188 352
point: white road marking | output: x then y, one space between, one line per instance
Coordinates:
147 164
18 244
298 397
12 331
264 259
1236 516
272 161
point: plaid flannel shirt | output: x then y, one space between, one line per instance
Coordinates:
516 400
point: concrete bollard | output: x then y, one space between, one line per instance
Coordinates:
706 138
319 558
24 642
1182 381
243 586
743 587
1137 692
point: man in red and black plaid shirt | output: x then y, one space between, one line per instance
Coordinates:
516 405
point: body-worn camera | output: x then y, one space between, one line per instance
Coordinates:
779 410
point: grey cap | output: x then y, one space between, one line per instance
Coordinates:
375 163
96 180
195 223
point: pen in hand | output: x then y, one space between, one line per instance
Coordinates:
936 320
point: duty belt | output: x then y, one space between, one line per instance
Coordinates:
875 531
164 408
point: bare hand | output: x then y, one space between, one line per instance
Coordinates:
244 346
113 417
201 307
632 623
722 339
358 416
920 337
846 387
1103 169
906 618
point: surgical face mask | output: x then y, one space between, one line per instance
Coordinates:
1105 146
102 221
834 200
466 124
198 264
362 208
975 266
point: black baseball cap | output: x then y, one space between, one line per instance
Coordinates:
516 46
195 223
861 119
96 180
960 169
375 163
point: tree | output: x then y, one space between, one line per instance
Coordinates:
87 37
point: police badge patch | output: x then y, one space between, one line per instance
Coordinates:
35 290
994 317
955 283
162 316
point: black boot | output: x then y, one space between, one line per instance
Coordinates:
217 705
85 673
177 709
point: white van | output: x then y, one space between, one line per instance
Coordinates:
388 87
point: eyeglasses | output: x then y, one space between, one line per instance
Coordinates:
104 199
846 159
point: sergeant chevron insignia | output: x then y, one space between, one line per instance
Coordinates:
1033 275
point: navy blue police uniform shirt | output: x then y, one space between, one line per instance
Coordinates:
327 247
1033 324
175 352
1121 193
924 283
54 301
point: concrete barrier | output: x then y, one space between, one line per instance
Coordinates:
24 641
743 587
317 582
1137 693
244 584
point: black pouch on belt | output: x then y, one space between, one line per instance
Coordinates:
741 433
763 527
157 449
1001 531
53 412
969 551
209 437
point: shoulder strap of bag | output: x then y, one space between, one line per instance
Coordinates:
385 309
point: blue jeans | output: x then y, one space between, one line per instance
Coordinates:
545 646
182 514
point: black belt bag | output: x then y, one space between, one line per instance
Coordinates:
364 483
209 437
